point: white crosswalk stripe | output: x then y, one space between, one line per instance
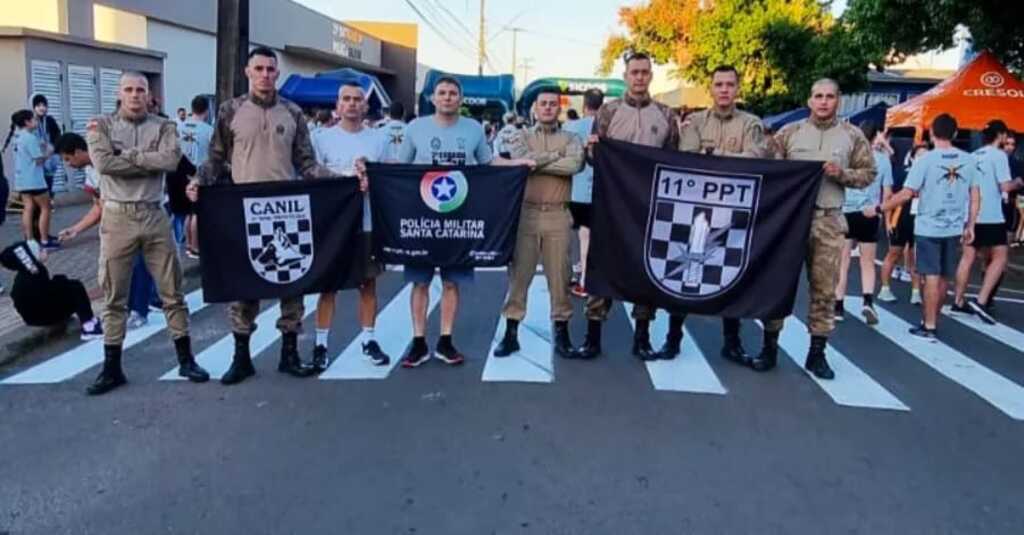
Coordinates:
688 372
393 333
998 332
851 386
999 391
79 359
533 362
216 359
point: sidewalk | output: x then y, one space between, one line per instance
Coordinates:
77 259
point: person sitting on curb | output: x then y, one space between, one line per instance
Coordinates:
43 301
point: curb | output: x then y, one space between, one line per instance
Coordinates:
16 345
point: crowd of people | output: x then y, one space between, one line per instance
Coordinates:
947 213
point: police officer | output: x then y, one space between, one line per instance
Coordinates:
725 131
131 151
848 164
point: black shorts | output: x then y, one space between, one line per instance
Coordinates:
862 229
580 212
903 234
34 192
989 234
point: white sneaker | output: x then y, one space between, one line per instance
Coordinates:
135 320
905 276
870 316
855 252
885 295
915 297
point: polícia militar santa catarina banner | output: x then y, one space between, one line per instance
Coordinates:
436 216
703 234
279 239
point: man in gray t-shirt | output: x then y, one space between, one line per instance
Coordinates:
444 138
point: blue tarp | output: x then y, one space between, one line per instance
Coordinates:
322 90
776 122
496 93
874 113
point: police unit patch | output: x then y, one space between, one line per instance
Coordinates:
699 230
279 231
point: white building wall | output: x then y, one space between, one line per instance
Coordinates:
190 68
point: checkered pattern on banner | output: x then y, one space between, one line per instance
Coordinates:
298 231
669 240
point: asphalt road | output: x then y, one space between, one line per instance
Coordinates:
909 439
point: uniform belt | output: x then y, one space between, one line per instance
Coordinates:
545 206
132 206
820 212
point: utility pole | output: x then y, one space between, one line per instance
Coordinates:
482 53
232 48
515 32
527 64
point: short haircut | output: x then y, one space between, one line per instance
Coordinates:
593 99
181 109
726 68
40 99
944 127
870 129
262 51
993 129
448 80
135 75
548 90
200 105
70 143
825 81
631 55
351 83
396 111
572 114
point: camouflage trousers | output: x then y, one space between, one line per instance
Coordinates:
242 315
828 232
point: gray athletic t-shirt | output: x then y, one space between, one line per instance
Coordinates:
462 143
943 178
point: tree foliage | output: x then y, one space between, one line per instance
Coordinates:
906 27
779 46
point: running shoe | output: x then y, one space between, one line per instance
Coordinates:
905 275
373 352
839 311
924 333
448 354
855 252
192 253
52 244
961 308
915 297
136 320
415 356
579 291
320 359
870 316
981 311
885 295
92 329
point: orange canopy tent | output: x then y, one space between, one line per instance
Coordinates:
979 92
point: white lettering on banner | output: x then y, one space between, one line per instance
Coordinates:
474 101
989 92
451 229
692 187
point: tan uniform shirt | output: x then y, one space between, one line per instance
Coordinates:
835 141
640 121
559 155
736 133
131 156
261 141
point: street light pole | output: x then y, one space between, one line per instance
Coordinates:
232 48
515 33
482 52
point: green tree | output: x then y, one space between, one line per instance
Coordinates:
905 27
779 46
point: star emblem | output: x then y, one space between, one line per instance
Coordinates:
444 188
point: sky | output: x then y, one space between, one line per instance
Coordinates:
561 37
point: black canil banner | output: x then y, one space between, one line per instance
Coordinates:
703 234
460 216
279 239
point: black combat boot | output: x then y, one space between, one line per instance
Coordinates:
674 339
563 344
111 376
642 341
510 342
291 363
591 347
320 360
732 348
187 366
769 356
241 363
816 362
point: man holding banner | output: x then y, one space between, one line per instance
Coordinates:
849 163
545 224
442 139
261 137
721 130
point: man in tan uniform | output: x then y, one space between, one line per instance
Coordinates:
635 118
849 163
131 150
544 225
261 137
725 131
